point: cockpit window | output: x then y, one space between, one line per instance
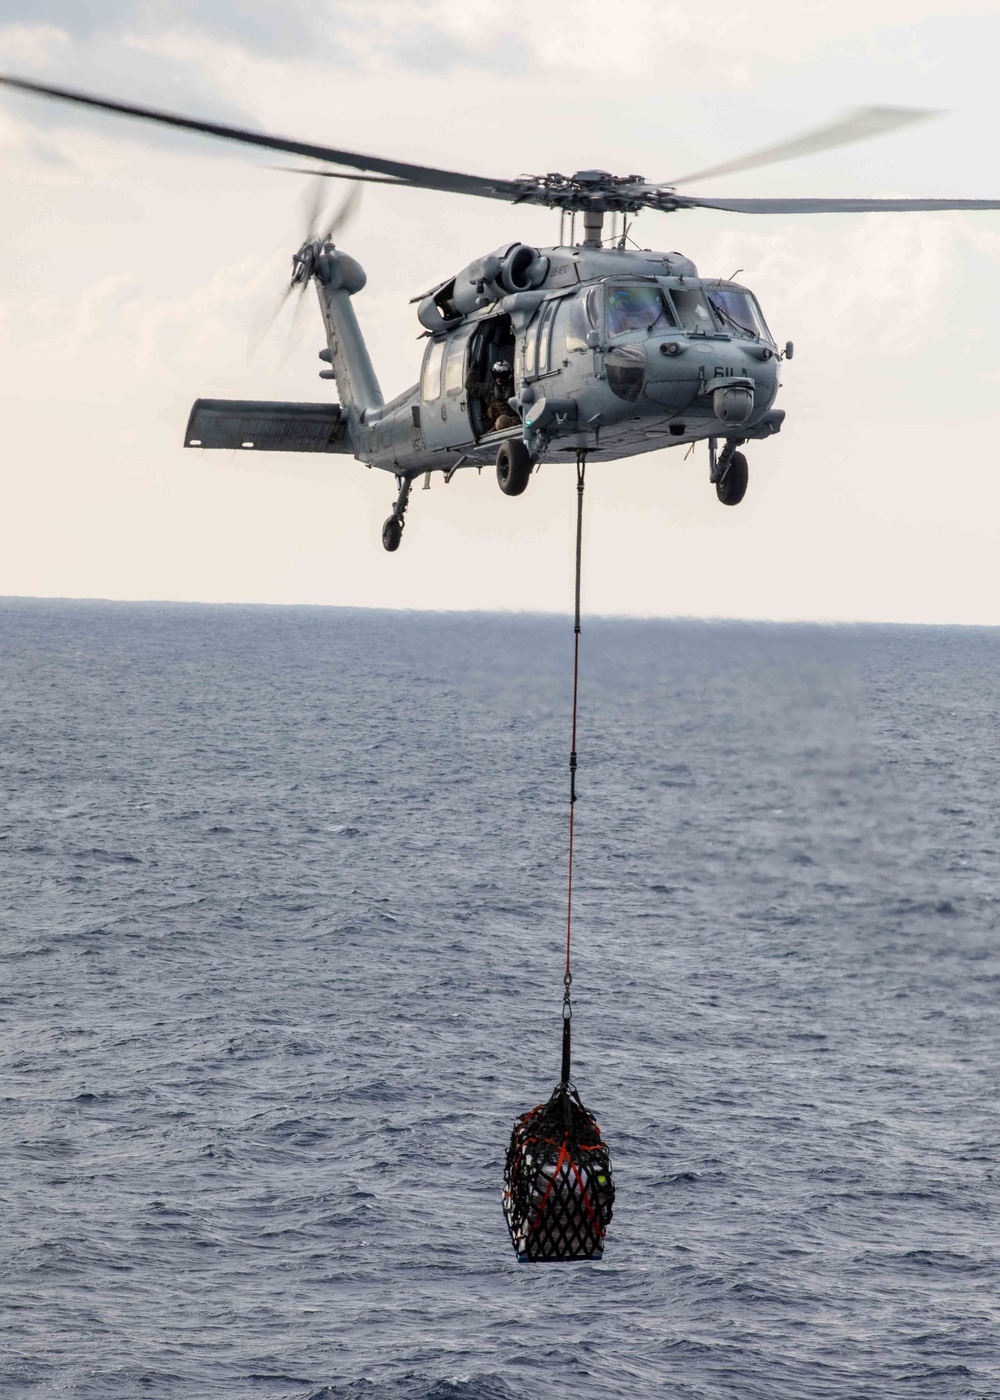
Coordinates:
584 316
738 311
692 308
636 309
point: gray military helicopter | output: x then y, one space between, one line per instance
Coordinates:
595 351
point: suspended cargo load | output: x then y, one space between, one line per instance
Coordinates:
558 1191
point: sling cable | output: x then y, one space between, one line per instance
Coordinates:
558 1189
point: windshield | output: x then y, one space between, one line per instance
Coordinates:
692 309
637 309
738 311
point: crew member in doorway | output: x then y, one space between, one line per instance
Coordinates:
494 392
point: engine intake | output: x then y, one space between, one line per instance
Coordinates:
515 267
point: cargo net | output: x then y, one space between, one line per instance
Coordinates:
558 1190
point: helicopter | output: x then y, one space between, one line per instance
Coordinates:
582 349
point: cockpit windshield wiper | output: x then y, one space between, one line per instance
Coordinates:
725 316
663 312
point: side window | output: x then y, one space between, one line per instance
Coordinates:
545 336
531 349
431 383
543 351
454 365
534 339
560 331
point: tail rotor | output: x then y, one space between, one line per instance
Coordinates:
322 226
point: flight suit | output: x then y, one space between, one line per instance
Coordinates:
498 410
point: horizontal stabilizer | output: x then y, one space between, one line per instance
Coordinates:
268 427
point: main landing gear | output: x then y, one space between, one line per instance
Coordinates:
514 466
729 472
392 530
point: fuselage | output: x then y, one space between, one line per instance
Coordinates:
613 351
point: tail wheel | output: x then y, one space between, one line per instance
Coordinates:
513 467
733 486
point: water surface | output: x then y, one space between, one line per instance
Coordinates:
282 903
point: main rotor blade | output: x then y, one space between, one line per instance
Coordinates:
343 175
424 176
830 206
860 124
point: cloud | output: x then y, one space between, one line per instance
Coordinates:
32 46
256 24
644 40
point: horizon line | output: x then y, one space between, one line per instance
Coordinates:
706 619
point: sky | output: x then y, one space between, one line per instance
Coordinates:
137 268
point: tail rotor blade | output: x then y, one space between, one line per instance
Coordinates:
312 202
344 213
295 325
261 325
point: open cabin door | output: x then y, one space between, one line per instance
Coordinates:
492 341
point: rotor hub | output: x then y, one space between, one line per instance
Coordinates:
596 190
304 262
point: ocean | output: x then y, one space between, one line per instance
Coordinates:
282 909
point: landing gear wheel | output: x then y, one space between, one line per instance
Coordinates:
513 467
733 485
392 533
392 530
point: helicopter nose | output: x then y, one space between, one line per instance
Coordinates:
716 376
